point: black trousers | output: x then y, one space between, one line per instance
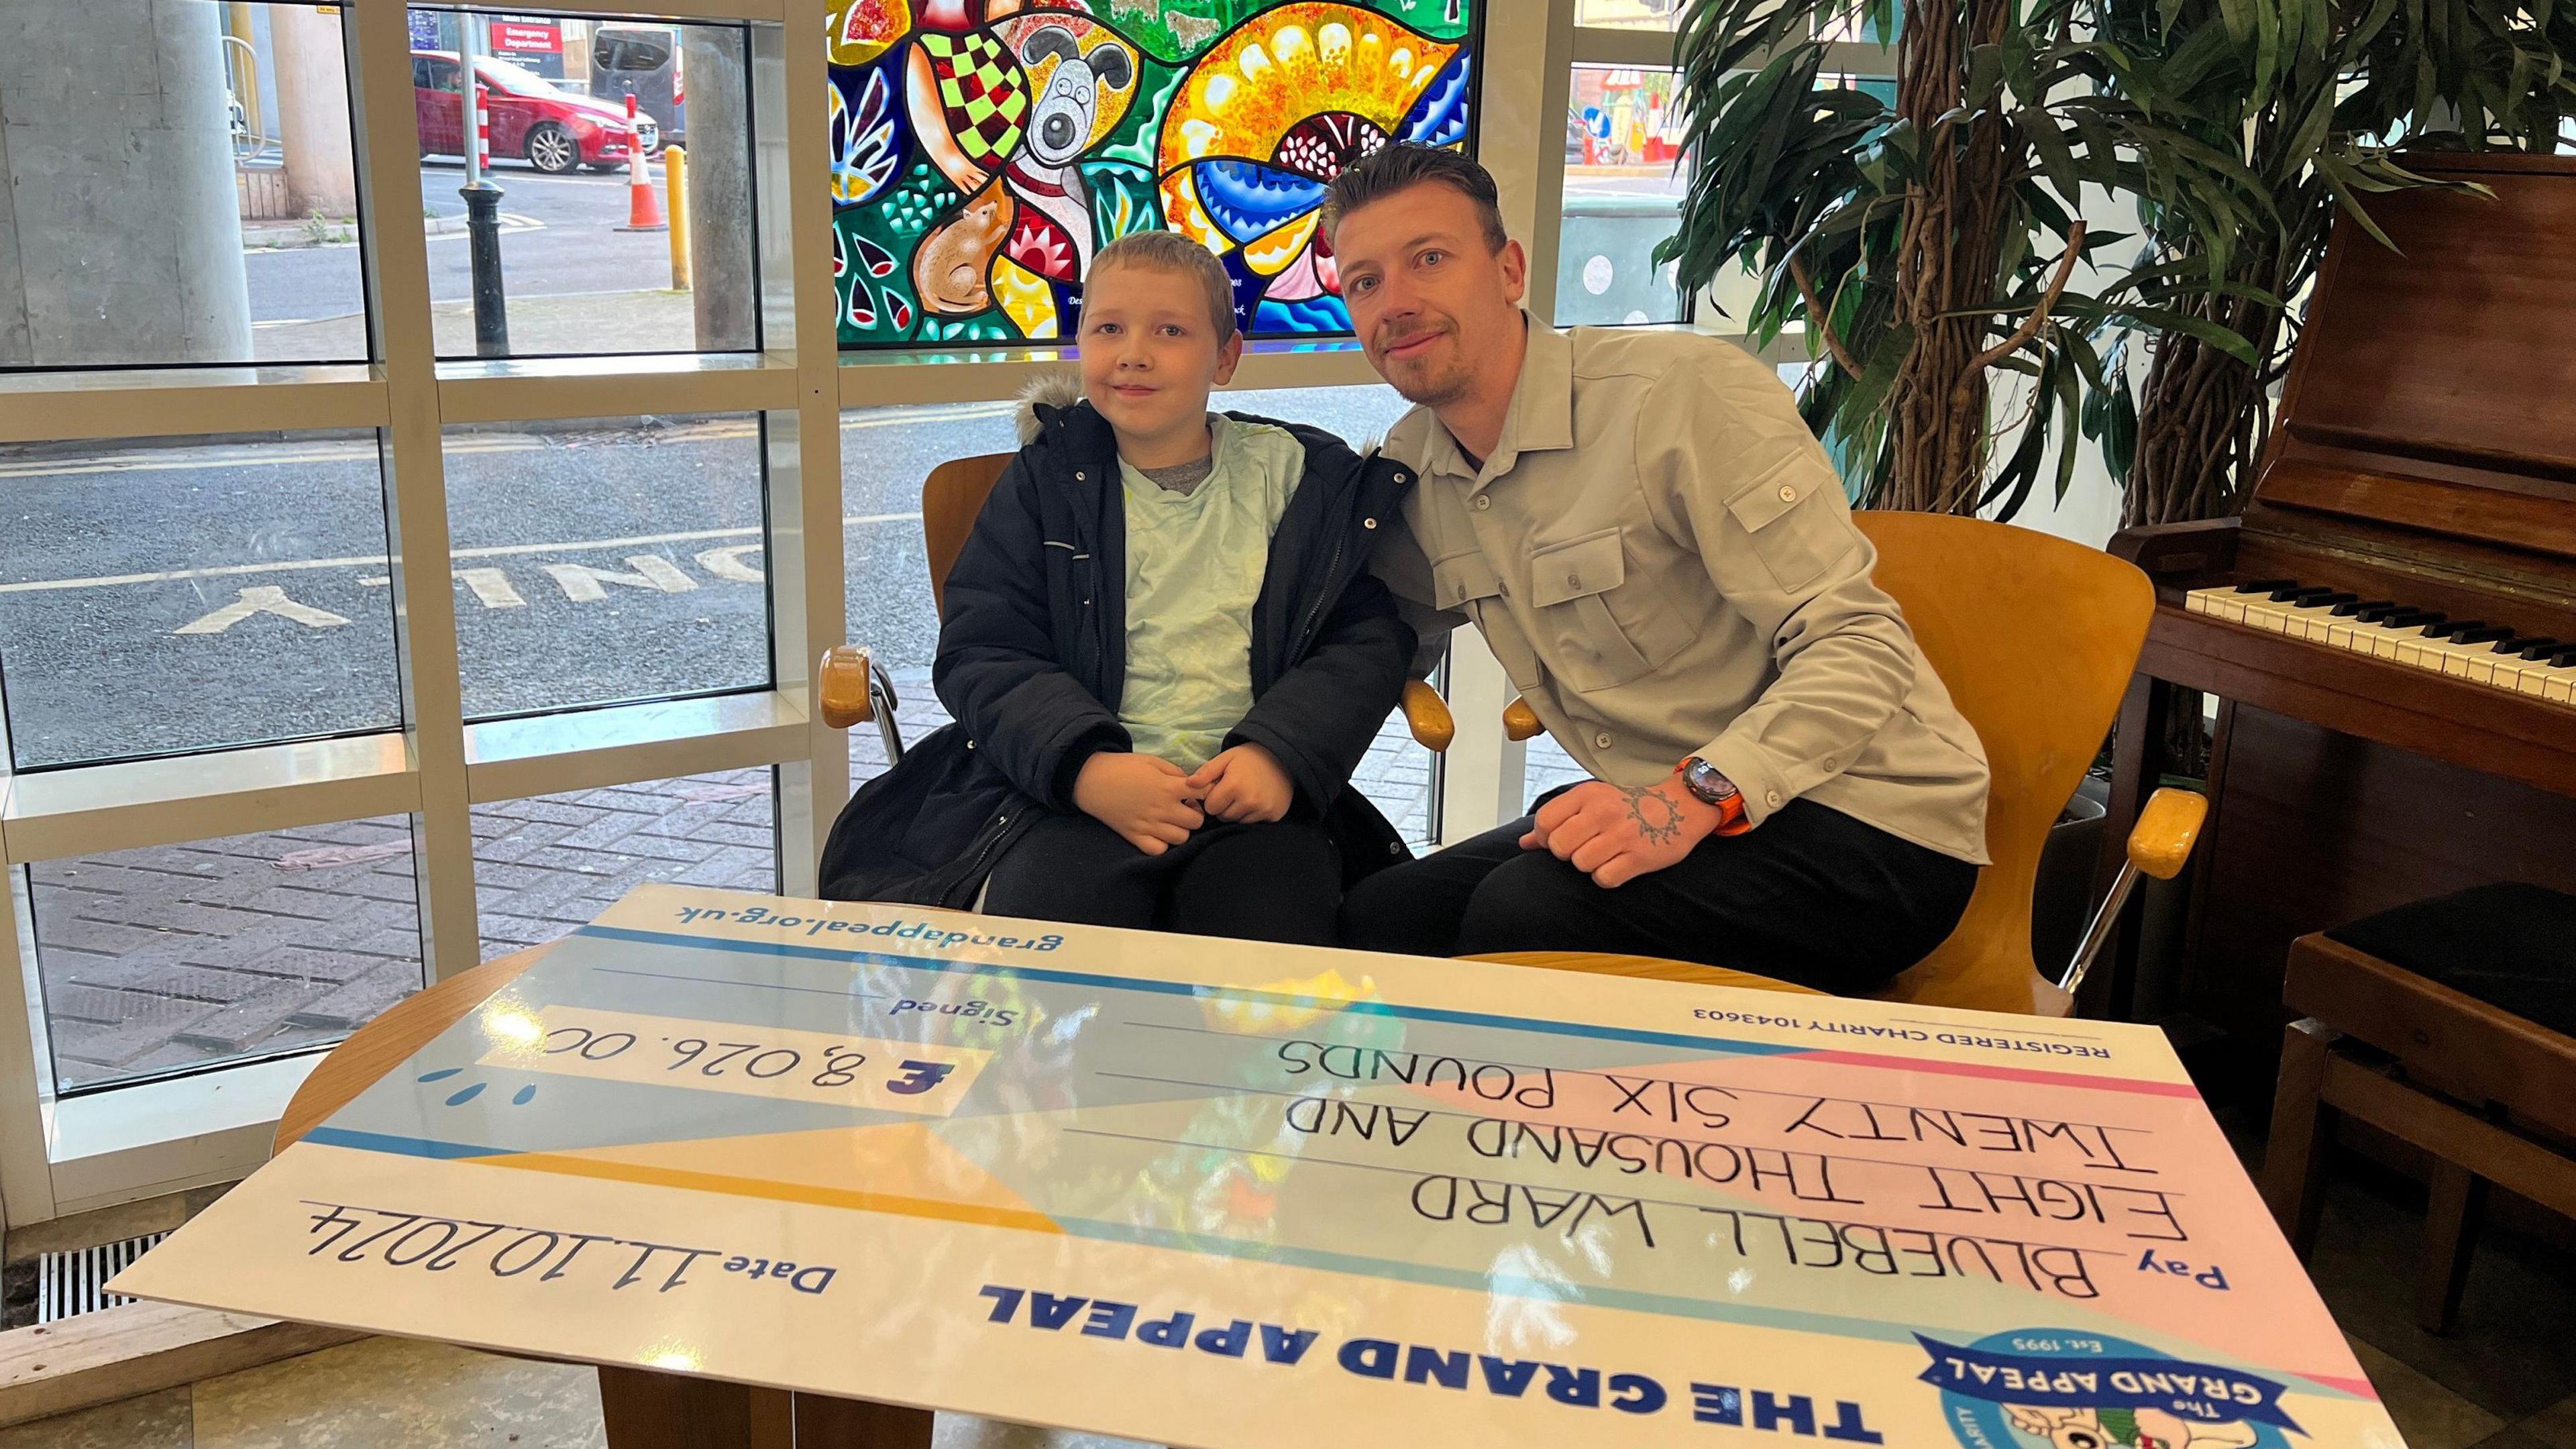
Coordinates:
1280 881
1813 896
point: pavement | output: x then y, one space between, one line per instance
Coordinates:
174 957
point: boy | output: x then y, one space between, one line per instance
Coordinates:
1162 648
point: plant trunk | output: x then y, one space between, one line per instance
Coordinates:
1946 264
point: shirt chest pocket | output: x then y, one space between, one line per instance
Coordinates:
1468 584
1796 534
1601 629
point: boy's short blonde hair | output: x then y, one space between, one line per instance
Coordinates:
1169 251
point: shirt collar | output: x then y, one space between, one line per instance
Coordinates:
1541 418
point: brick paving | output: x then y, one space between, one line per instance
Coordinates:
173 957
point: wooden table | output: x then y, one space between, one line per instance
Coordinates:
647 1410
641 1409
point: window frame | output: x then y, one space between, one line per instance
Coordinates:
113 1146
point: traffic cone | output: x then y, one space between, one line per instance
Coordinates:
643 208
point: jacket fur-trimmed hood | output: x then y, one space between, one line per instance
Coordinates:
1053 390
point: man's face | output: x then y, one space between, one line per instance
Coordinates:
1435 307
1149 350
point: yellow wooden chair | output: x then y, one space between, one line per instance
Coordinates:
2036 638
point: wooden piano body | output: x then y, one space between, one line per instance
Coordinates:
2425 454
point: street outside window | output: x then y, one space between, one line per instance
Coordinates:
601 200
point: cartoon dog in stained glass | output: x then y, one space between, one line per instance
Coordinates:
1082 97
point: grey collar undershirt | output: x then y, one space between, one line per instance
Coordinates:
1184 478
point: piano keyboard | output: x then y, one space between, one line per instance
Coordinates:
2465 649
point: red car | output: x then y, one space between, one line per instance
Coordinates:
553 129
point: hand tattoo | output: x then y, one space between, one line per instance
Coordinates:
1662 824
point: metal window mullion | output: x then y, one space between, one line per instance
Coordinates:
26 1171
789 81
1528 71
395 247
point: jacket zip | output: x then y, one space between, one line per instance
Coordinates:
1332 570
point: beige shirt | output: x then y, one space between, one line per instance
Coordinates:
1662 558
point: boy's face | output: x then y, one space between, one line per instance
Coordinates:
1435 306
1149 350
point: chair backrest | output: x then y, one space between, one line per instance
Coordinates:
2036 639
950 498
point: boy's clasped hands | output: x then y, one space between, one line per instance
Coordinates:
1154 804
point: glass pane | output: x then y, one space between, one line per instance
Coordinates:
546 865
178 956
645 581
974 219
1624 182
590 262
181 186
1548 766
188 593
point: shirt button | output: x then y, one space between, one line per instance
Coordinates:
1832 764
1601 741
1574 581
1079 476
1505 589
1368 523
1484 501
1399 477
1772 799
1788 494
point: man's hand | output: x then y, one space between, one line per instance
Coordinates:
1615 835
1245 786
1144 798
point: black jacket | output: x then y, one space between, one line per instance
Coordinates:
1033 648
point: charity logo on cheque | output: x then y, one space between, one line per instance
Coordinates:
2049 1388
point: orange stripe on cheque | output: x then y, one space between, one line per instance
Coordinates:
731 1186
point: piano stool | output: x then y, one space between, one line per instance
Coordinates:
2450 1024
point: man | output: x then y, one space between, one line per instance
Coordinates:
1662 558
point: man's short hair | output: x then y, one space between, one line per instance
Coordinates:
1170 251
1399 166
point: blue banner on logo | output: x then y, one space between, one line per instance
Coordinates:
2204 1393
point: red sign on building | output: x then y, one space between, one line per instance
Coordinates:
527 39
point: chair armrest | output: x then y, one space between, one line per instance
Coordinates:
2159 845
841 687
1427 714
2166 831
1520 722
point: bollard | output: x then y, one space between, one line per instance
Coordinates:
675 186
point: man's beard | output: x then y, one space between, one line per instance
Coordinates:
1428 388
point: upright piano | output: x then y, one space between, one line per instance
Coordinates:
2391 627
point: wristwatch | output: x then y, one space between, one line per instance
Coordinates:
1702 780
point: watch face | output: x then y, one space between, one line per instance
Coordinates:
1705 782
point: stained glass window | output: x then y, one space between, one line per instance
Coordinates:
984 150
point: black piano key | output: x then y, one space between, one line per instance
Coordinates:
2476 634
2539 648
2437 624
2353 608
2563 659
2516 643
2410 618
2265 586
2295 592
2377 612
2334 600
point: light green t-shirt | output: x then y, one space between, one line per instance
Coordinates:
1195 562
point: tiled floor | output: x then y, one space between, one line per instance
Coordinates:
2505 1378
